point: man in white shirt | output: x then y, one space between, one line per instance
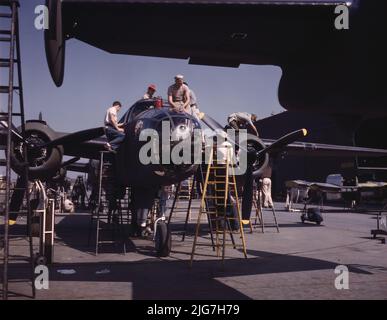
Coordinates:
239 120
178 95
113 129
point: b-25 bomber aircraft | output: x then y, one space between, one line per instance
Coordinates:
46 148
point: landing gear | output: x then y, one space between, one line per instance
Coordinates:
40 260
149 220
163 239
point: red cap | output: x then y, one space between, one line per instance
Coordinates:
152 86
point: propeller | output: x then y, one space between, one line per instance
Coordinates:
252 156
76 137
247 200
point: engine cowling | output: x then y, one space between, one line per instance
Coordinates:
43 163
259 164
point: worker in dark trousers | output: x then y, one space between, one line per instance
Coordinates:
142 199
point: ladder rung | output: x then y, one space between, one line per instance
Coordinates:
5 89
14 114
5 15
219 182
5 39
7 60
7 32
215 197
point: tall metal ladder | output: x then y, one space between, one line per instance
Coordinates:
113 218
11 37
220 189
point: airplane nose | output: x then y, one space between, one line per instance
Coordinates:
181 132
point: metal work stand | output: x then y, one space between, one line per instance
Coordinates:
378 231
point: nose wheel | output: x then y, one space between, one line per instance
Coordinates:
162 238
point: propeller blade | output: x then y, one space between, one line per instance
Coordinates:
247 199
76 137
214 125
70 162
284 141
15 133
211 123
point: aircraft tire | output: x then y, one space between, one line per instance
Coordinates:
40 260
163 241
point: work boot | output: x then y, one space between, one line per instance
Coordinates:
109 148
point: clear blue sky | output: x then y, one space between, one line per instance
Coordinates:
94 78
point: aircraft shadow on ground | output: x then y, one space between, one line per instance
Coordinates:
73 231
155 278
165 279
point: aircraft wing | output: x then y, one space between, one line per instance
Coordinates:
321 186
219 33
78 167
323 66
88 143
327 150
89 149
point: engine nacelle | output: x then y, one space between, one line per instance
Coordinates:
43 163
260 163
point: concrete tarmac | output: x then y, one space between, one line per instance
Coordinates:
297 263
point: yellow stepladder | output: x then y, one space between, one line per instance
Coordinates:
219 198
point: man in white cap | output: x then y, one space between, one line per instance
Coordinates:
179 95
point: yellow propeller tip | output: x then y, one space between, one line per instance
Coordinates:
304 132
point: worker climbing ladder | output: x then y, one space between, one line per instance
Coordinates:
220 203
10 59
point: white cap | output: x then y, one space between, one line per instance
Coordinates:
179 76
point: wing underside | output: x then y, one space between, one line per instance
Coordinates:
220 33
245 31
